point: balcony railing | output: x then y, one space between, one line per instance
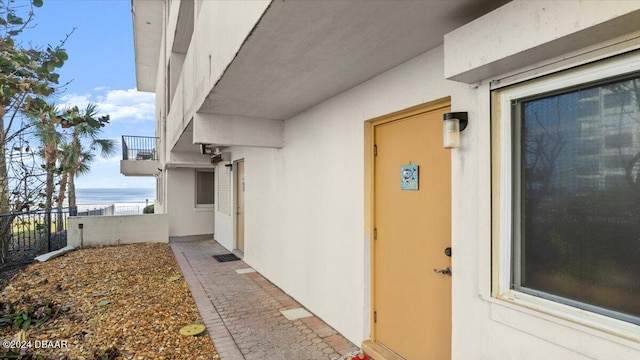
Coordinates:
139 148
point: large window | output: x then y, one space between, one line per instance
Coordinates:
572 213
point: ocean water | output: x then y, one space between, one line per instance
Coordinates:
114 196
127 201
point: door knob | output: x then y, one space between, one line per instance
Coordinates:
445 271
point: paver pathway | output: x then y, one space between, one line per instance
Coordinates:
242 311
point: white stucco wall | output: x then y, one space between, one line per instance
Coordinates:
305 202
559 27
185 218
116 230
304 208
214 45
305 219
228 130
139 167
483 327
191 159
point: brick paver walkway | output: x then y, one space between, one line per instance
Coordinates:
242 311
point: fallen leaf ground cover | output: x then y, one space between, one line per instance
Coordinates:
119 302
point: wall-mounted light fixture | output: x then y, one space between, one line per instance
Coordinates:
452 124
220 156
206 149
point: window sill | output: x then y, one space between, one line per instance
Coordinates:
208 208
510 307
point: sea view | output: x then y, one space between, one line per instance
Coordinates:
126 201
112 196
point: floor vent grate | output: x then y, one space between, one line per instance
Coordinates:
226 257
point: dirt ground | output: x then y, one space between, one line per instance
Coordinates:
120 302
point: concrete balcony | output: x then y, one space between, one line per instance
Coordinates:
139 156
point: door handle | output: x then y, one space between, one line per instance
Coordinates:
445 271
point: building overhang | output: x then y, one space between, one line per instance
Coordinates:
301 53
500 42
147 35
235 130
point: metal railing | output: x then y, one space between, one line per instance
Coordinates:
103 211
129 210
139 147
36 230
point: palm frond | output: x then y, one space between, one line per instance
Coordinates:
107 147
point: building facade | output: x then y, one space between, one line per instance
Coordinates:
320 125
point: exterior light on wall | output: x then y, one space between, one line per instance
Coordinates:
451 126
220 156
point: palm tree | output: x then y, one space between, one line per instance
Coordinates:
77 158
81 168
66 158
44 123
44 119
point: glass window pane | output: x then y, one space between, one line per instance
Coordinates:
580 197
204 187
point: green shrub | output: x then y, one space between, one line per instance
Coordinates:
148 209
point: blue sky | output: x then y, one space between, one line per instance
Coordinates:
101 69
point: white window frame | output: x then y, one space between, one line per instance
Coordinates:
503 241
195 193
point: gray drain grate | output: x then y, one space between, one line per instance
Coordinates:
226 257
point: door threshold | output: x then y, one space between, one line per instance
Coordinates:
379 351
238 253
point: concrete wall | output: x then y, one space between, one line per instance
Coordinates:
194 158
139 167
213 46
115 230
304 203
484 327
559 28
305 219
185 218
228 130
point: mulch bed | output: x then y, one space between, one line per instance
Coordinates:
9 270
119 302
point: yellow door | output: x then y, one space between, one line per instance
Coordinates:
412 302
240 205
